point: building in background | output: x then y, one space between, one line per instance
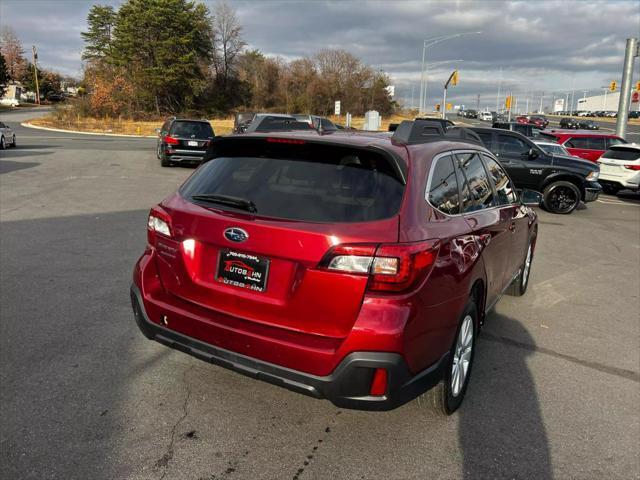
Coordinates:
607 102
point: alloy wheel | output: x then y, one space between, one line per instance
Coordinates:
562 198
462 356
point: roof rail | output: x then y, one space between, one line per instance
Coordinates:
425 131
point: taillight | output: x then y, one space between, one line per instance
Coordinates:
632 167
391 267
159 222
170 140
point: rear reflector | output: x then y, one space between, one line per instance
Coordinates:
379 383
394 267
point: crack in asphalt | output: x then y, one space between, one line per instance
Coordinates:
311 454
618 372
163 462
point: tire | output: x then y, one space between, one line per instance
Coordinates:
610 189
519 285
447 396
2 145
561 197
13 142
165 162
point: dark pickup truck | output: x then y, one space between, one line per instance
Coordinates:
564 181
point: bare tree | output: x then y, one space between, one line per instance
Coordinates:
227 41
13 53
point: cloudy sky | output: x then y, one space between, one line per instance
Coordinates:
541 46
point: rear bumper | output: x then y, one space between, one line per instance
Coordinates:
592 191
347 386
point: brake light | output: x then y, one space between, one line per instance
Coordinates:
635 168
159 221
170 140
291 141
393 267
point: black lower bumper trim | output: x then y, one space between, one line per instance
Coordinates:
346 387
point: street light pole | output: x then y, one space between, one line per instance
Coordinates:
423 74
631 52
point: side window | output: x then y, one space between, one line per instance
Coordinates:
504 188
597 143
476 176
443 188
578 142
510 145
486 138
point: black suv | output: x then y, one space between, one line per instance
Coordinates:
563 181
184 141
526 129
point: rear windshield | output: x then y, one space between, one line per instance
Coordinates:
622 154
310 182
191 130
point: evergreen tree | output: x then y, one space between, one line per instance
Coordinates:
99 35
165 47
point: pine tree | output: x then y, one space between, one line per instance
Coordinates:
98 38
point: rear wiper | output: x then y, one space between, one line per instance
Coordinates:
236 202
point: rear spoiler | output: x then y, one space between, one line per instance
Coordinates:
254 145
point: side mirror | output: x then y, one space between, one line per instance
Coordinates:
531 198
533 153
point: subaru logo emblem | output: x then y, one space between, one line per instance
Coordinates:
236 234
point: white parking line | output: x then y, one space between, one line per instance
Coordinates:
618 202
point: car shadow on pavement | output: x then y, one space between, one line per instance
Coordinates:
7 166
501 430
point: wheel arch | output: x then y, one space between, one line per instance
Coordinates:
565 177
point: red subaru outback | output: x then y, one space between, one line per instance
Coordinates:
346 266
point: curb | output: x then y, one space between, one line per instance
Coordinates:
49 129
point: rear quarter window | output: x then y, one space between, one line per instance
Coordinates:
306 182
443 187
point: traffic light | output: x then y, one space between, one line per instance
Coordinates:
437 107
507 102
613 86
454 78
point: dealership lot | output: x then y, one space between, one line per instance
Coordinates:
554 393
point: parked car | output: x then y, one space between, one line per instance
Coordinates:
7 136
552 148
485 116
272 122
182 140
563 180
316 263
588 125
525 129
634 114
10 102
523 119
583 144
471 114
569 123
620 168
539 121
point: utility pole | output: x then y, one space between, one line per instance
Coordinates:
631 52
35 72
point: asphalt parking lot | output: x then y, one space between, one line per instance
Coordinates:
555 391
